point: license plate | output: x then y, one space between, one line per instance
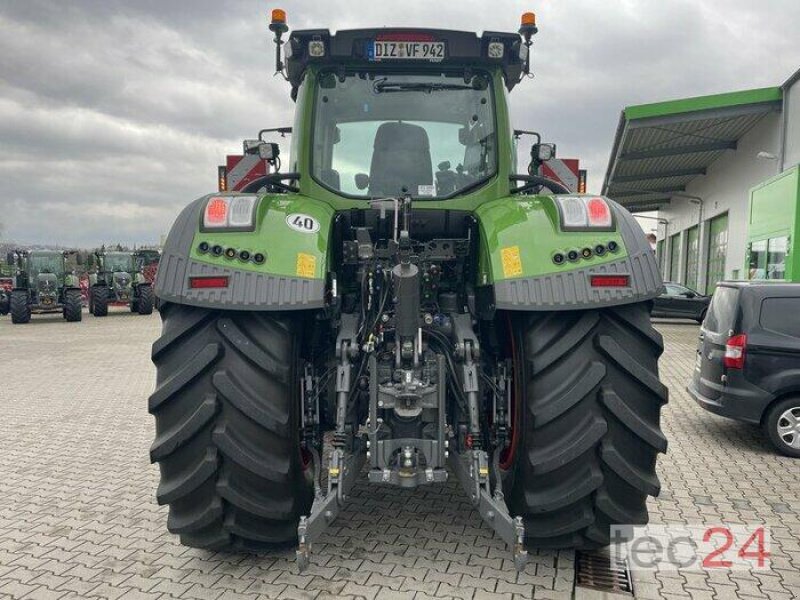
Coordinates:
399 50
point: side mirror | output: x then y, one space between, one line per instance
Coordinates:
543 152
689 294
362 181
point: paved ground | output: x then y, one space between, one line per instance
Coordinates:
78 518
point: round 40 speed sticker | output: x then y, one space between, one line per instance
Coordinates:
302 223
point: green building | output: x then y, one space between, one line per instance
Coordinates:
719 174
773 225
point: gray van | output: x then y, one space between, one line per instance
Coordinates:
748 358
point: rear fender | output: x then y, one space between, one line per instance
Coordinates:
520 236
292 231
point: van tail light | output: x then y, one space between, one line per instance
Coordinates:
735 351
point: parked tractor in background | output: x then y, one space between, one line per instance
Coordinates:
118 280
147 262
43 284
402 287
7 271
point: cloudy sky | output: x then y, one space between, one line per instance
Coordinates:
114 114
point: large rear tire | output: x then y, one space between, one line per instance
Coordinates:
99 302
227 408
589 407
73 305
19 308
144 303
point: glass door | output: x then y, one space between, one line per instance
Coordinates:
692 257
675 256
717 249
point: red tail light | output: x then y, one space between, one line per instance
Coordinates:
735 352
216 214
599 213
208 282
610 280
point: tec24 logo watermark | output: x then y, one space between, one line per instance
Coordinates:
692 547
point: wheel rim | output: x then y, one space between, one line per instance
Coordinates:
507 455
789 427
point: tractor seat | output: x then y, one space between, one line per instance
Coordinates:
401 158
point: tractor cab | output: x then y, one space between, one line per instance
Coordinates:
399 112
118 262
45 263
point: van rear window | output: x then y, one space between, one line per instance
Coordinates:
721 316
781 315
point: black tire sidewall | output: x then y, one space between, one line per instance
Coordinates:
144 303
99 300
185 329
19 308
73 307
615 350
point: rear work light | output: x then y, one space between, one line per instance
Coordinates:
316 48
214 281
735 351
230 212
578 213
609 280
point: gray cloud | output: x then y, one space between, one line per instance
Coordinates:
114 114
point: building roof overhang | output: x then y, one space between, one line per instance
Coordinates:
660 148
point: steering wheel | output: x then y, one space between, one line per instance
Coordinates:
534 183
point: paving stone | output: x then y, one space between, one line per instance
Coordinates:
78 516
484 595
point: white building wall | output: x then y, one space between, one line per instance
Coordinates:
791 144
725 188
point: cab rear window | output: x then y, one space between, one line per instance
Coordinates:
721 316
781 315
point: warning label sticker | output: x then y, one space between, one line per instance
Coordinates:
306 265
512 263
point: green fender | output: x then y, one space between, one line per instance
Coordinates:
292 234
520 236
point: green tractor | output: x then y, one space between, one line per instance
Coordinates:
404 289
118 279
43 284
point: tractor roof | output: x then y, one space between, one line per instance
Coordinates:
355 48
